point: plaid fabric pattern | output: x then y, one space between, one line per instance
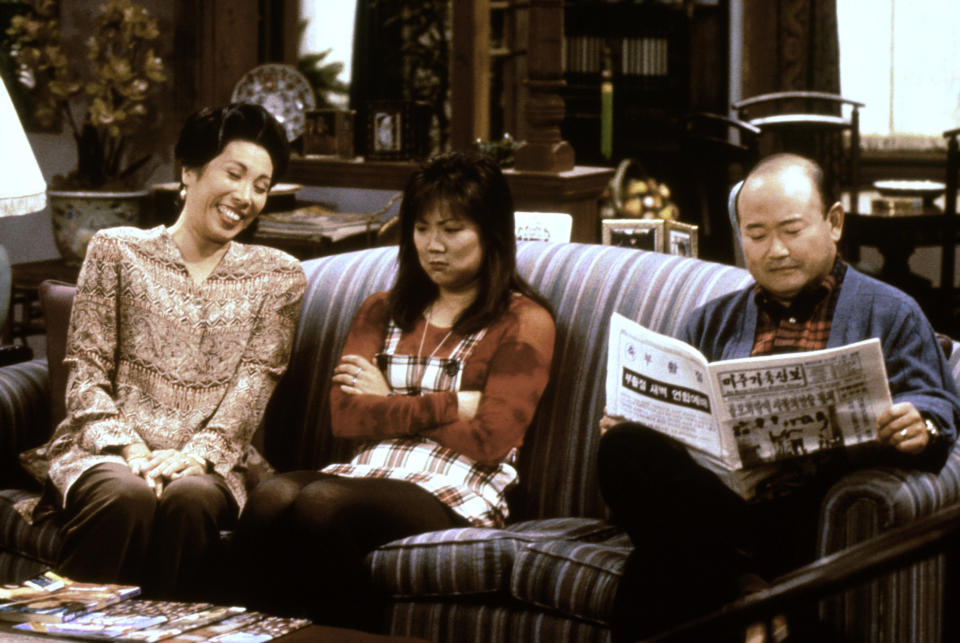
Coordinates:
411 374
805 325
474 491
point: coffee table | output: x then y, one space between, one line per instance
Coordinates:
309 634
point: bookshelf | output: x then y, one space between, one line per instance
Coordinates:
665 59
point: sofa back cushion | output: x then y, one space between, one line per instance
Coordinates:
585 283
56 299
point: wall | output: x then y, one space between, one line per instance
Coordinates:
30 238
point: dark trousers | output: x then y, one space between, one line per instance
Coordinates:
697 544
117 530
302 538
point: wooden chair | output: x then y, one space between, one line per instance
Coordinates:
718 151
812 124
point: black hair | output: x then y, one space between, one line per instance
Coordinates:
810 167
473 187
207 132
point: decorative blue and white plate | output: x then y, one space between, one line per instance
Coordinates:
281 90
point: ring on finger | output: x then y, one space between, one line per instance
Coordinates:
903 433
354 381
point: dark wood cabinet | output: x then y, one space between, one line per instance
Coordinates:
665 60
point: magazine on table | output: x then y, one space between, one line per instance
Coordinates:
740 417
171 622
51 598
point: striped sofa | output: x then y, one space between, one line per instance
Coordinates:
550 575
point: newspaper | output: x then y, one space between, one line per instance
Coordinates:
739 416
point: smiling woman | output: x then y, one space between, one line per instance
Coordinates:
177 338
221 199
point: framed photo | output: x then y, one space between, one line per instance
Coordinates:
645 234
680 239
328 132
396 129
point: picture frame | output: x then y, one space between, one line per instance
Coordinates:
396 130
681 239
645 234
329 132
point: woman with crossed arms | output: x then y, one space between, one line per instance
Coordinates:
437 383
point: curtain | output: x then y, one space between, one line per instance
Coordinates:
809 57
790 45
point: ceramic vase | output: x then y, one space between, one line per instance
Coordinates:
77 215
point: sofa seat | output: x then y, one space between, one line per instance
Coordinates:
567 565
25 549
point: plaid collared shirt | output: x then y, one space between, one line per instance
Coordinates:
805 325
472 490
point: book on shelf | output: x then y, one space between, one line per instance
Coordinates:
51 598
740 417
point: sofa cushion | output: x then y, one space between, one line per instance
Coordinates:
471 560
26 543
577 579
56 299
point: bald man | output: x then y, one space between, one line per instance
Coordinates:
697 544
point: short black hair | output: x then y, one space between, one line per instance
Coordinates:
471 186
208 131
809 167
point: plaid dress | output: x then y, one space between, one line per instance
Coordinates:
472 490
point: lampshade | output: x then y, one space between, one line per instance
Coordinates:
22 188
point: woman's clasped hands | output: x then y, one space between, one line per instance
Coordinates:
161 466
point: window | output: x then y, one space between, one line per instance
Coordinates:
901 58
329 27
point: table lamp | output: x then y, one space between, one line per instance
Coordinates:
22 188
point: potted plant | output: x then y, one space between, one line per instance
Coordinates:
104 98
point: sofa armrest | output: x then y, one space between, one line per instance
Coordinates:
907 545
24 415
871 501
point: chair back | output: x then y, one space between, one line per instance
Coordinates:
543 226
813 124
718 151
735 224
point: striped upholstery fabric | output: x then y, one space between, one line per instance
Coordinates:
867 503
550 575
24 406
471 622
448 563
585 284
24 549
578 579
24 422
657 290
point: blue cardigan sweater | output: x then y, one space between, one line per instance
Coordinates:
916 367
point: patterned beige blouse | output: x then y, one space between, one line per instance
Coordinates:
154 357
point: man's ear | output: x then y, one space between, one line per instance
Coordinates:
835 217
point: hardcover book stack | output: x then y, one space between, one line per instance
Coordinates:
57 606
